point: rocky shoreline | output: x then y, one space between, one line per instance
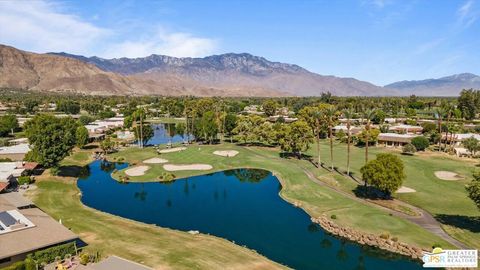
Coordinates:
372 240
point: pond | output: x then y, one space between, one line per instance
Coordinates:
241 205
165 133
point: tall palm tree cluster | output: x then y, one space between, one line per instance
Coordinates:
322 119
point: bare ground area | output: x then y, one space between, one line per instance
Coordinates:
155 161
226 153
176 149
449 176
187 167
404 189
137 171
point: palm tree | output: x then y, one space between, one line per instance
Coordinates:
368 115
330 114
317 118
139 115
448 111
439 112
348 114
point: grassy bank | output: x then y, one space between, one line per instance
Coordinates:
446 200
157 247
315 199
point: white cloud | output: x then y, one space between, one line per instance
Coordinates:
377 3
428 46
40 26
164 42
467 13
43 26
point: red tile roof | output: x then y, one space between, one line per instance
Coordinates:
30 165
3 185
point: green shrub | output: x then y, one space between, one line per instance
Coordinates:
395 239
24 180
421 143
16 266
54 170
409 149
385 236
84 258
5 160
50 254
30 263
166 177
333 216
435 245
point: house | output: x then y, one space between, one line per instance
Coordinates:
25 228
285 118
458 138
406 129
253 109
14 152
354 130
395 139
18 141
22 120
10 171
284 111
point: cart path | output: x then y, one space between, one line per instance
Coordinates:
424 220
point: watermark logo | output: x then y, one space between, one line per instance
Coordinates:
450 258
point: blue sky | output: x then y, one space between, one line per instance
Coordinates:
380 41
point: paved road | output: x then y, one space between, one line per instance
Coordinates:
424 219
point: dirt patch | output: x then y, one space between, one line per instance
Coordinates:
404 189
137 171
449 176
187 167
226 153
155 160
170 150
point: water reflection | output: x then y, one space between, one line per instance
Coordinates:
239 205
167 133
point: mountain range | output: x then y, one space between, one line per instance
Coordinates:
445 86
217 75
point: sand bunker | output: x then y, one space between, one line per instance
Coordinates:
403 189
226 153
446 175
187 167
176 149
155 160
137 171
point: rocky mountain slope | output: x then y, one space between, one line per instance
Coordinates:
46 72
234 71
445 86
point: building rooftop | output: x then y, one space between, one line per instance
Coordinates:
8 169
19 141
395 137
463 136
17 200
45 232
15 149
114 262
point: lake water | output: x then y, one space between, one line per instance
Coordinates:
164 133
239 205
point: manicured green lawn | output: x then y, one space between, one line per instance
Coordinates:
315 199
447 200
79 157
157 247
